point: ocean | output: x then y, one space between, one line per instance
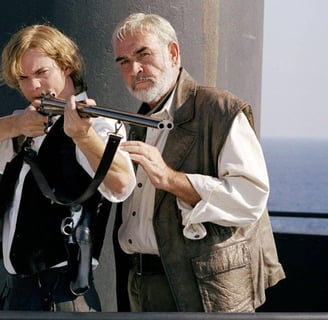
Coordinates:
298 172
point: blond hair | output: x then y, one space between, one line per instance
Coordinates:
48 40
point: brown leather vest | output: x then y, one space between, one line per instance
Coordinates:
238 263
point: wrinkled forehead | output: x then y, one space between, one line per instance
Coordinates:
33 60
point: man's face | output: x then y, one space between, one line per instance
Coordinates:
41 74
147 65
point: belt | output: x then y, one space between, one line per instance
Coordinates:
38 280
147 264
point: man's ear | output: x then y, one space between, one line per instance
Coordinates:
174 51
68 71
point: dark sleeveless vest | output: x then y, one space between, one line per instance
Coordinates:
38 243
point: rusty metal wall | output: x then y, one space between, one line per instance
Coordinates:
221 45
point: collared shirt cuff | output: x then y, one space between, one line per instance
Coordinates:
192 231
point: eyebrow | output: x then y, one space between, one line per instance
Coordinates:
118 59
33 73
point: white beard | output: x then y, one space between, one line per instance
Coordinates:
159 88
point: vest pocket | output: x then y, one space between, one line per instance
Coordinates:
225 279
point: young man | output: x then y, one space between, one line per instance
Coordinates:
41 259
196 227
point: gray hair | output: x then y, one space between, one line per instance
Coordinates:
145 23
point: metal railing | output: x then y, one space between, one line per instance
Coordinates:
16 315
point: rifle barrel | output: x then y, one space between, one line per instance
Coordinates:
55 106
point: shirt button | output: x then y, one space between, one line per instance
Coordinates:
134 213
139 185
130 241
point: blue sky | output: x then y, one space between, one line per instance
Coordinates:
295 69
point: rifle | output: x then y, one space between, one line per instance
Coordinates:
49 105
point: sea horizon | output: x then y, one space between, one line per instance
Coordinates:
298 173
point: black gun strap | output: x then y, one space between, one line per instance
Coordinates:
107 158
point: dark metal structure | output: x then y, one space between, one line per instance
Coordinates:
160 316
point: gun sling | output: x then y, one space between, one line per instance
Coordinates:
107 158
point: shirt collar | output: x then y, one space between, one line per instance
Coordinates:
166 111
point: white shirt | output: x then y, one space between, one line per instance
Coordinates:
237 197
104 126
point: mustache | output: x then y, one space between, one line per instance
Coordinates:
142 78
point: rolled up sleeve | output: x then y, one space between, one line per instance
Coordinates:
238 196
105 127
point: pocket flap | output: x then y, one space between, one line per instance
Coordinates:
221 260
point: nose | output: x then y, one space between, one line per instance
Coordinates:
35 83
136 67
